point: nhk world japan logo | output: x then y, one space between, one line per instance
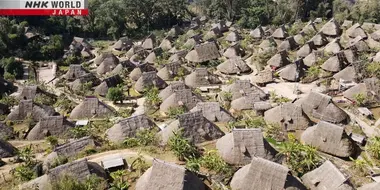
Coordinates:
44 7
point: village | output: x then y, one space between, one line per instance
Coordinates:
204 105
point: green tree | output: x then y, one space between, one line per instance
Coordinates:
373 147
115 94
54 48
12 66
119 182
152 97
181 147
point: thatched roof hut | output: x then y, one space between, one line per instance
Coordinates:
326 176
329 138
74 72
164 175
370 186
6 132
166 44
280 33
333 47
350 55
331 28
370 88
289 116
6 149
195 127
293 72
51 126
309 28
257 33
268 43
233 66
213 33
123 44
91 107
213 112
149 42
347 74
335 63
263 77
27 108
106 62
201 77
171 70
241 88
183 97
76 86
241 145
29 92
173 87
359 44
260 174
107 83
235 50
347 24
311 59
320 106
280 59
149 79
203 52
233 36
221 25
355 31
127 128
352 92
125 65
376 35
306 49
247 101
82 41
320 40
288 44
139 70
175 31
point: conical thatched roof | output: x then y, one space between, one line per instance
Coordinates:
106 63
367 26
221 25
235 50
123 44
175 31
320 106
293 72
359 44
334 64
350 55
260 174
331 28
166 44
213 112
268 43
241 145
354 91
82 41
6 132
280 33
329 138
107 83
257 32
333 47
29 92
326 176
125 65
89 108
213 33
149 79
320 40
6 149
289 116
242 88
280 59
203 52
129 127
76 86
370 186
347 24
306 49
370 88
233 36
247 101
173 87
347 74
201 77
171 70
163 175
26 108
51 126
263 77
311 59
288 44
195 127
376 35
149 42
141 68
372 44
74 72
355 31
233 66
309 28
179 98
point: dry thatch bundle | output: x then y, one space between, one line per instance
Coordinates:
329 138
51 126
27 108
320 106
6 149
241 145
289 116
263 77
179 98
149 42
203 52
260 174
213 112
201 77
74 72
149 79
171 70
173 87
91 107
106 63
127 128
306 49
331 28
107 83
355 31
195 127
164 175
280 33
123 44
233 66
326 176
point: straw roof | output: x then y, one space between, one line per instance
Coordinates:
333 47
279 59
306 49
51 126
213 112
370 186
149 42
376 35
247 101
125 65
213 33
350 55
106 63
29 92
359 44
195 127
82 41
173 87
171 70
123 44
289 116
127 128
149 79
233 36
334 64
293 72
355 31
107 83
201 77
221 25
268 43
77 84
26 108
141 68
320 40
241 88
320 106
203 52
74 72
164 175
309 27
347 74
258 32
179 98
347 24
241 145
280 33
263 77
311 59
326 176
233 66
260 174
355 90
166 44
175 31
288 44
329 138
235 50
89 108
331 28
6 149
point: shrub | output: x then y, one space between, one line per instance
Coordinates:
68 182
12 67
118 180
255 122
360 99
144 137
151 96
181 147
193 164
9 101
9 76
60 160
373 70
139 164
373 147
115 94
79 132
174 112
361 165
212 161
278 99
23 173
53 141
